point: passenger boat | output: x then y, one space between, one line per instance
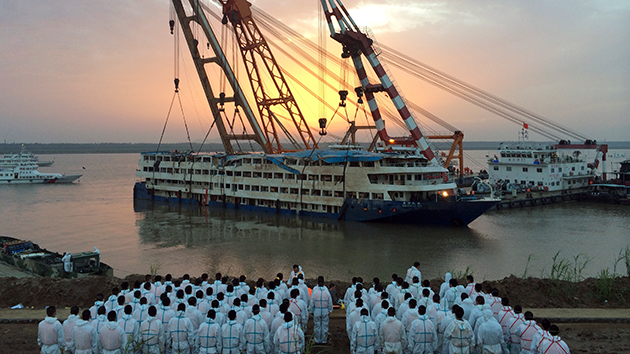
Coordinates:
23 156
26 173
28 256
344 183
528 166
527 174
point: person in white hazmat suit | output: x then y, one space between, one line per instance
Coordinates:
68 326
181 332
422 335
445 285
451 295
232 335
112 339
413 271
459 334
209 335
540 336
297 269
321 307
289 338
554 345
526 332
84 337
505 314
444 324
164 314
100 320
513 340
67 262
256 333
152 334
299 308
490 335
364 335
130 326
392 336
410 315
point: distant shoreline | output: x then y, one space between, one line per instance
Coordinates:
122 148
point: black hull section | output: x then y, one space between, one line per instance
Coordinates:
444 212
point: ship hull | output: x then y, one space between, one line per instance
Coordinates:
53 180
447 212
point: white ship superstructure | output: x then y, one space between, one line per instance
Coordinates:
538 167
308 180
12 159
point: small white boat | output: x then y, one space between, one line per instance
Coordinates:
26 172
11 159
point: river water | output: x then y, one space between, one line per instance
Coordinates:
135 237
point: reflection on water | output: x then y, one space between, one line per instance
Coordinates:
267 243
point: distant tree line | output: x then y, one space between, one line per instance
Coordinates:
119 148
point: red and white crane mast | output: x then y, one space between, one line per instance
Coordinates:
355 43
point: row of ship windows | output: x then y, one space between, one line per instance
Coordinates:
266 175
539 170
283 190
293 162
541 183
374 178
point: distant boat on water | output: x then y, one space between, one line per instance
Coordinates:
26 173
23 156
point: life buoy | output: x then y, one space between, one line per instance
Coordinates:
445 177
546 188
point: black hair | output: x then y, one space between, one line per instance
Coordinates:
422 310
480 300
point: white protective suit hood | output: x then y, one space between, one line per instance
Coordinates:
447 277
112 324
487 315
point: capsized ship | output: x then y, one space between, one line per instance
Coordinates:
343 184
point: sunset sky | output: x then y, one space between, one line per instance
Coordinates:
102 71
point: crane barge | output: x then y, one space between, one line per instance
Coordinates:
403 182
